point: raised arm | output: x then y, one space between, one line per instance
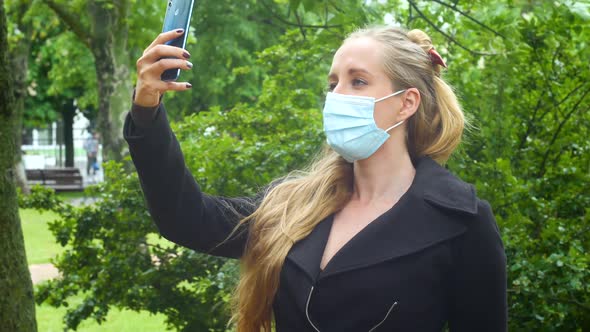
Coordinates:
181 211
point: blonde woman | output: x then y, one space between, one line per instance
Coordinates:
375 236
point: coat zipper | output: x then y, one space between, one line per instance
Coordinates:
318 330
307 310
384 319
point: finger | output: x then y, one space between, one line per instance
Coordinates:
163 86
164 37
155 70
161 51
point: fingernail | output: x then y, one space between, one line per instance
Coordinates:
188 85
189 64
186 55
180 31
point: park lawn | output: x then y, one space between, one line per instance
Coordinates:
41 247
50 319
39 242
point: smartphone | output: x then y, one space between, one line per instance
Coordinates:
178 16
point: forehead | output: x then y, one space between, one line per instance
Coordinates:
362 53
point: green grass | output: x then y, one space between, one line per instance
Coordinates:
50 319
39 242
41 247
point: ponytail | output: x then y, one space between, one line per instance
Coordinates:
450 122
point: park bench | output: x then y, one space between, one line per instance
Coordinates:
60 179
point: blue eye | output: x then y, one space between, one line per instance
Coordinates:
357 81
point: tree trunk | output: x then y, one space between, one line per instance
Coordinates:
109 46
20 176
17 307
68 113
19 56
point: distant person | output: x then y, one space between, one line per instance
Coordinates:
377 235
91 147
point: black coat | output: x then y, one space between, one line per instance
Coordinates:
436 257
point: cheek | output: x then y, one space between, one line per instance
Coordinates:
385 113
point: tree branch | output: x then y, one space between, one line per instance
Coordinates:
559 128
571 93
338 9
454 8
261 21
73 22
410 16
300 23
300 26
449 37
571 301
530 123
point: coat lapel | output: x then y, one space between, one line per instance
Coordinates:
307 253
423 217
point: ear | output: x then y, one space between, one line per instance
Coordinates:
410 103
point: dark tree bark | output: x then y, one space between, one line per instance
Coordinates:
19 56
68 112
17 307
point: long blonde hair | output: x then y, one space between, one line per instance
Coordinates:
291 209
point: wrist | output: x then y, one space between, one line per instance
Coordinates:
144 98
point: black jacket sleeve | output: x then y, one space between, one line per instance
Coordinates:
478 287
182 213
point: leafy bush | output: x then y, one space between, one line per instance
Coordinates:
116 259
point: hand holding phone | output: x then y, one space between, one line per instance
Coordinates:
178 16
159 66
156 59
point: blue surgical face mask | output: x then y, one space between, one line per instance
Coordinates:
350 127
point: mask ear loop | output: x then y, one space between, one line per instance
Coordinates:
395 125
391 95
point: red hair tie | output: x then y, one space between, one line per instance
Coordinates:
436 58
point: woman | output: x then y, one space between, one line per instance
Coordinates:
375 236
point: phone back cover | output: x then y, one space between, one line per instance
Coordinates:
178 15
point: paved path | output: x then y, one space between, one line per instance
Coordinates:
42 272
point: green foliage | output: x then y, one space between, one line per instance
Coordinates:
61 70
114 258
530 158
263 140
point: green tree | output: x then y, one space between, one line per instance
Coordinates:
530 157
60 85
17 308
103 29
19 42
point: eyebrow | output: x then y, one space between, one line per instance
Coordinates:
351 71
